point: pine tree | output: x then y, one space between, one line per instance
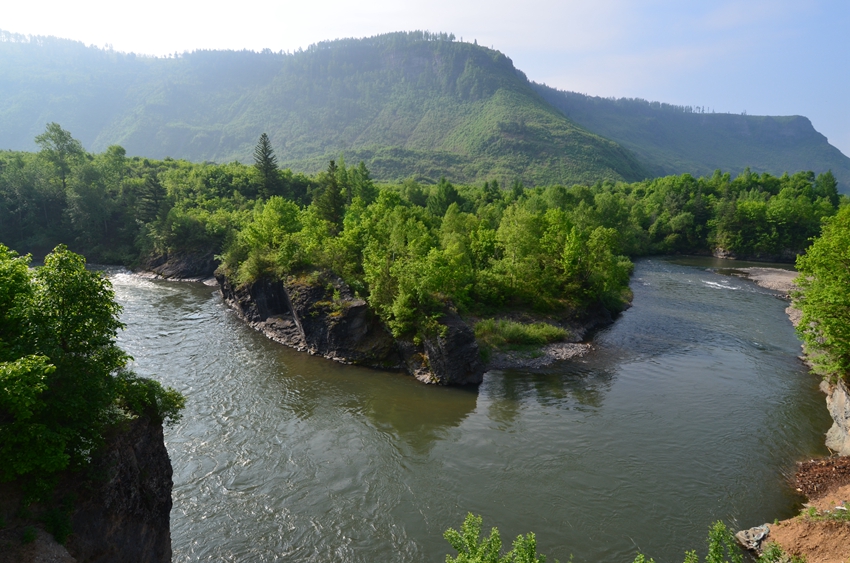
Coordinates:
266 163
330 203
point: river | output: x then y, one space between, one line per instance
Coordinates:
692 407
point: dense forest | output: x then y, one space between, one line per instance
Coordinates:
406 247
415 104
669 139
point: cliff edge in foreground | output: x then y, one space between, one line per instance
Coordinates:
118 508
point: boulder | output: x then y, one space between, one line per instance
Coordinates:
337 324
314 312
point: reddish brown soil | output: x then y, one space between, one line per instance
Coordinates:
826 483
819 542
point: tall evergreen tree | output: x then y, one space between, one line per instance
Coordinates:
330 203
266 163
151 197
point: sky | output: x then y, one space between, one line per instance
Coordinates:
777 57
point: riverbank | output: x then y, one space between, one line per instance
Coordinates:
821 533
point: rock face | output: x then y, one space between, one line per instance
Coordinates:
838 404
185 265
318 313
449 358
120 509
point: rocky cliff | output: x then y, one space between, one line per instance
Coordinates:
116 510
317 312
838 404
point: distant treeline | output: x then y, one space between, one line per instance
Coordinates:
409 247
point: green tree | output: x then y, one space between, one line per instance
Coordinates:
330 203
265 162
60 148
824 299
150 199
62 376
443 195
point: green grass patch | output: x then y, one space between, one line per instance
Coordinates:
837 514
504 334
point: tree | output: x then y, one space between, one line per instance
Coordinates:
443 195
60 148
823 297
62 375
150 198
330 203
265 162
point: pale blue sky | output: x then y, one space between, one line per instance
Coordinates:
776 57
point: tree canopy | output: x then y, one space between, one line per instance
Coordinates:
63 379
824 297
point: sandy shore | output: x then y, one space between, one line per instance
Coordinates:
771 278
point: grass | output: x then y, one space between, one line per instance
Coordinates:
509 335
836 515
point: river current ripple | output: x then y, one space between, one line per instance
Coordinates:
692 408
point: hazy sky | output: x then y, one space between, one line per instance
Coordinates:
777 57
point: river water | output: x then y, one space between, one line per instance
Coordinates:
693 407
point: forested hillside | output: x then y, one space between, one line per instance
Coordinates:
670 139
408 104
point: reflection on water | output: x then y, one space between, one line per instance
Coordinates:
690 409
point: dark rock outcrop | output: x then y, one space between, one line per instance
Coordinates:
181 265
317 312
119 508
451 357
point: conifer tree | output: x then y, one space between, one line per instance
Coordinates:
330 203
265 162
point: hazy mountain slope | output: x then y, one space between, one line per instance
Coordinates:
674 140
406 103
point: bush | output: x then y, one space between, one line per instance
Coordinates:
472 548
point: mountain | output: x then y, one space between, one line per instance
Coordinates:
409 104
670 139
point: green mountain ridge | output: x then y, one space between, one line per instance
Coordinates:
406 103
670 139
410 104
